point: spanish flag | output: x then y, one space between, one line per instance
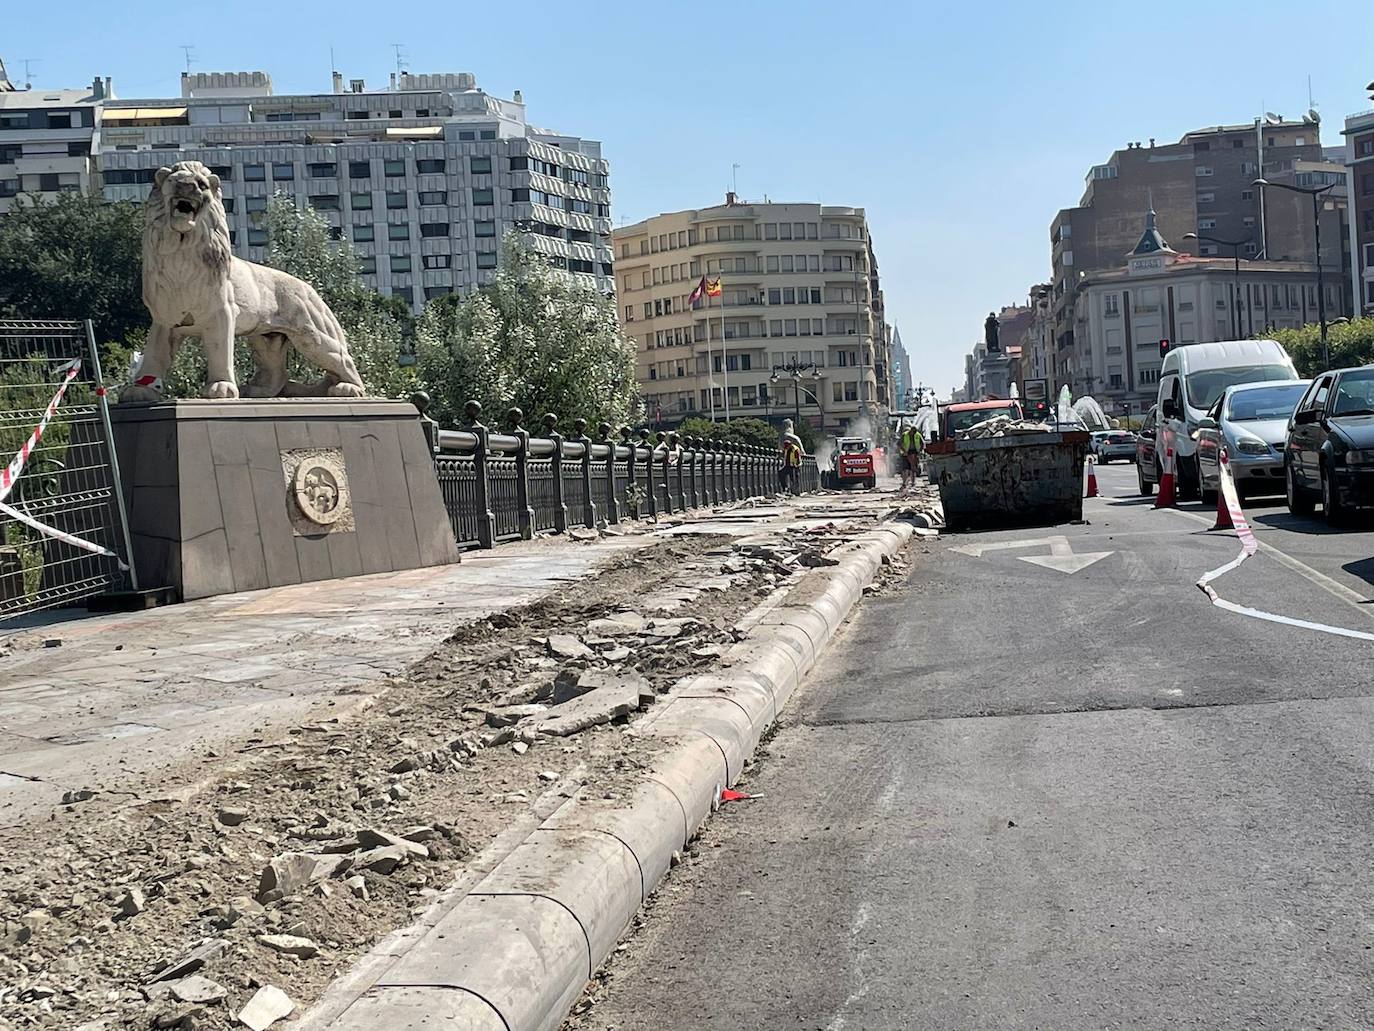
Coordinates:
706 288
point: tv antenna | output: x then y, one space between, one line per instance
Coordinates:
400 58
190 53
734 178
28 63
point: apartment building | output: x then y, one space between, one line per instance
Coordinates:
1158 293
795 325
1359 161
47 138
1201 184
424 177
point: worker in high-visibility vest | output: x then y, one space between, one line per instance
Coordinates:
791 460
912 444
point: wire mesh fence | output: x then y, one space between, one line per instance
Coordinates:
62 489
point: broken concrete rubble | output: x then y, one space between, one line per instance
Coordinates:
291 871
606 696
265 1008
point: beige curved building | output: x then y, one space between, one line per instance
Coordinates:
799 288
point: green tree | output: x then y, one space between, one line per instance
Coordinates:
75 257
378 328
531 338
736 431
1351 343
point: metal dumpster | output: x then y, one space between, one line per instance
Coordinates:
1022 479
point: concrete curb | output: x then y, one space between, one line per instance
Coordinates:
514 953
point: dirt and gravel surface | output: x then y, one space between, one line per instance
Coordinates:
274 865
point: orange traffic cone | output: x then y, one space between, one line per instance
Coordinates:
1092 478
1167 497
1223 509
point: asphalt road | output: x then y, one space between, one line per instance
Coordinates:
1017 797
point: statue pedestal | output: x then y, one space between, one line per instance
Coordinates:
228 496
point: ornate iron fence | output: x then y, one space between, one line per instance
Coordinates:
65 492
507 486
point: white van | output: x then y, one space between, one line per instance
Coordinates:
1193 376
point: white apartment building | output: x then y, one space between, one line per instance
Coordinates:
47 139
423 177
794 328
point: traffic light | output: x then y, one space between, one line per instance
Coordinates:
1163 348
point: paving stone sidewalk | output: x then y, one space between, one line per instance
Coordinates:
125 695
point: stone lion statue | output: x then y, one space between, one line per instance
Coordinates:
194 286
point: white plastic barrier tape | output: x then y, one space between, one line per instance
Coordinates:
10 476
56 534
1248 546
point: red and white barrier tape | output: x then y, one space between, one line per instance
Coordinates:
1248 546
10 476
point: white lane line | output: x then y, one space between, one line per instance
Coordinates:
1333 587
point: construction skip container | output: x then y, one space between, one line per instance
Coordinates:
1021 479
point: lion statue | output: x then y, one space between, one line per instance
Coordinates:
194 286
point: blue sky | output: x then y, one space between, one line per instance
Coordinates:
962 128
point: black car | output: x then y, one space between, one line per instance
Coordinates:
1146 469
1329 455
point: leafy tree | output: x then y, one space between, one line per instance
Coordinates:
531 338
736 431
1351 343
299 242
74 257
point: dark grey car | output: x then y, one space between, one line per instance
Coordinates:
1329 456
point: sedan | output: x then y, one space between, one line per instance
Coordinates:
1251 422
1109 444
1145 468
1330 451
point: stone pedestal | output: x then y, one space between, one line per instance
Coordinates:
228 496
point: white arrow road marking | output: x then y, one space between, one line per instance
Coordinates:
1061 558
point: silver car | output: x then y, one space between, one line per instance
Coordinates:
1251 421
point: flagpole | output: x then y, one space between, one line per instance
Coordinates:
724 356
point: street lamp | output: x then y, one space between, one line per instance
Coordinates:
1235 246
1315 194
796 370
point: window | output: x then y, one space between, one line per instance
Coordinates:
395 199
486 260
322 170
394 168
1237 144
488 134
363 234
1111 306
432 292
283 171
398 232
775 295
400 263
1367 183
1202 171
255 204
367 265
479 165
1206 223
467 134
1206 198
433 229
1200 146
522 195
519 164
483 196
360 201
770 231
359 169
257 237
325 202
429 166
229 205
254 173
433 196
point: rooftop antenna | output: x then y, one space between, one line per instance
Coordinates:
400 58
29 62
734 179
190 52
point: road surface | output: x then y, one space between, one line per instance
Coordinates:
1015 796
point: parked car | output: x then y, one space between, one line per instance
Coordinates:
1192 378
1146 468
1330 449
1251 422
1109 444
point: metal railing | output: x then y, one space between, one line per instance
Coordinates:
500 487
69 484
